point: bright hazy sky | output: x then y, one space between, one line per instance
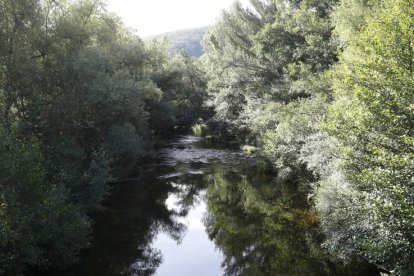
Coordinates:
152 17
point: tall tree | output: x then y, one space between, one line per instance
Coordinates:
372 120
267 79
80 87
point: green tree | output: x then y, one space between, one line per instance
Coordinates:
183 85
81 87
267 76
371 119
38 226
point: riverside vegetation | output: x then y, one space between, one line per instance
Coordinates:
323 90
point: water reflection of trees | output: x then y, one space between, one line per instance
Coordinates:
124 233
135 214
189 186
264 227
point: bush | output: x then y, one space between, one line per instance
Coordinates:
199 129
125 144
37 226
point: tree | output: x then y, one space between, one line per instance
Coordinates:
80 86
183 85
38 226
267 75
371 118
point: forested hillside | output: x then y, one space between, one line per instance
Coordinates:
188 40
323 90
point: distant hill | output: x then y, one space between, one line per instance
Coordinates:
188 40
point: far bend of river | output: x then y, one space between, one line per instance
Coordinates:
203 211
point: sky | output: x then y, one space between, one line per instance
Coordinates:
205 258
152 17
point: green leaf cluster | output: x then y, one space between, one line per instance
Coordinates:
82 100
324 90
371 118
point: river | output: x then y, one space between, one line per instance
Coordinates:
199 210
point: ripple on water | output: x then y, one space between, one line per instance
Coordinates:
184 150
196 172
170 175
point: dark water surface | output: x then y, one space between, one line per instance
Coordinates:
204 211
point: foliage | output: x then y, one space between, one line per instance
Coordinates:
38 227
272 70
84 91
323 89
248 149
349 17
124 143
199 129
183 84
292 128
265 62
371 118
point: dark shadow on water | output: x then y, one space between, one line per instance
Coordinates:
262 226
135 213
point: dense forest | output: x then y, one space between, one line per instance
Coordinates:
323 90
82 99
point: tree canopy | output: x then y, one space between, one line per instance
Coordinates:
82 99
323 89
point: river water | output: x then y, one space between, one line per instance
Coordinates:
198 210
